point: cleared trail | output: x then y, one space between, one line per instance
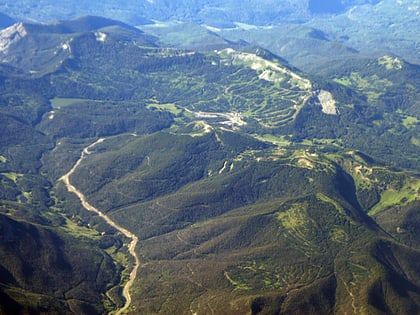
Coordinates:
127 233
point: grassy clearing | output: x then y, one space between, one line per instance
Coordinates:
236 284
120 256
295 217
298 226
58 102
12 176
170 107
408 193
279 140
390 63
258 275
79 231
305 159
410 122
327 199
415 141
372 86
339 235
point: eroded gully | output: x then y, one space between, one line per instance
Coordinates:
134 239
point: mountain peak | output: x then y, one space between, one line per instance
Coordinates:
11 35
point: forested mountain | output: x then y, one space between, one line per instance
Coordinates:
251 186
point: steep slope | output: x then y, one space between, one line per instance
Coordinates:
220 232
46 271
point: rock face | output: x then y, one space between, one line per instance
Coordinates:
327 102
11 35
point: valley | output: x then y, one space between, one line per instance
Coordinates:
134 239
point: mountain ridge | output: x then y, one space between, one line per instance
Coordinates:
355 28
57 39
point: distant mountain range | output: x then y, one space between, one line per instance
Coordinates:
214 13
290 29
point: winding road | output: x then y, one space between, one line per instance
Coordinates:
127 233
